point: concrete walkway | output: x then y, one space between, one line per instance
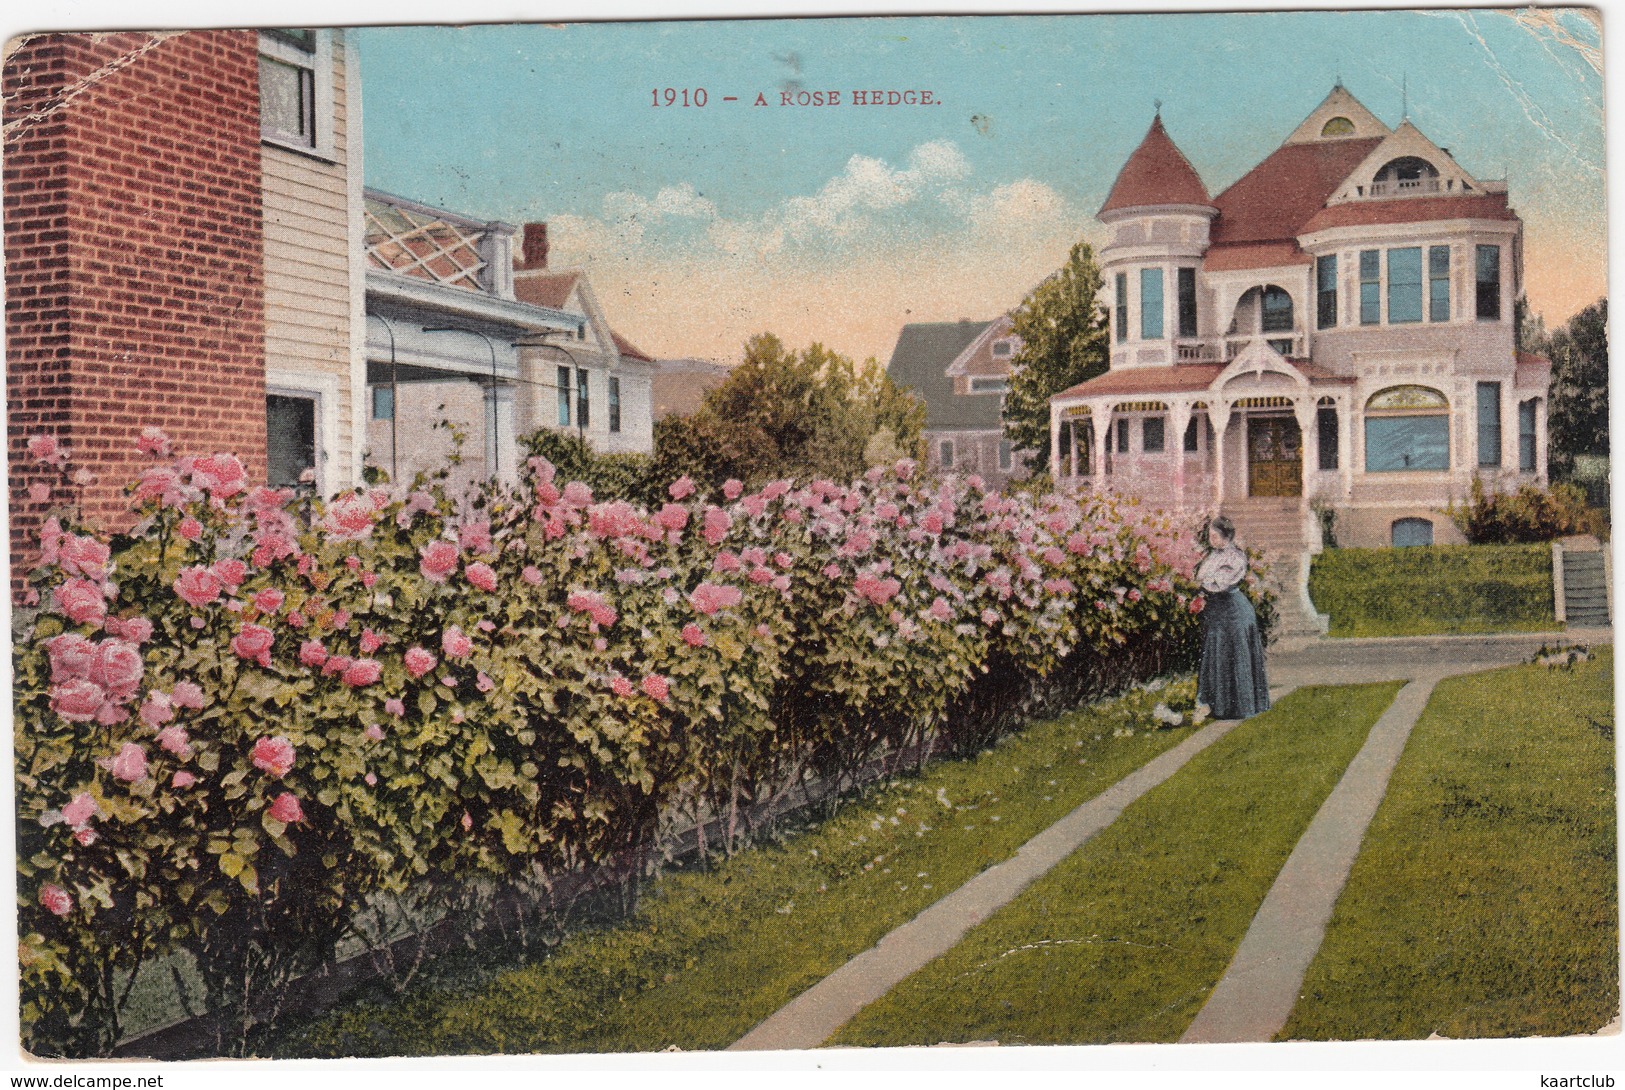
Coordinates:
1255 996
813 1017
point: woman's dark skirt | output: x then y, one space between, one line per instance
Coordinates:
1231 682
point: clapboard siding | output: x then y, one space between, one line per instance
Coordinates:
307 268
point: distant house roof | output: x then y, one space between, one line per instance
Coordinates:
1488 206
546 289
1157 173
1273 201
630 350
920 363
1532 372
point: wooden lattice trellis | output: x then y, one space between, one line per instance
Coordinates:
422 245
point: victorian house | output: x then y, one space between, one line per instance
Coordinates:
1333 335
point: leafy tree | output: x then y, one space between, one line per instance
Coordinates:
1579 405
1062 326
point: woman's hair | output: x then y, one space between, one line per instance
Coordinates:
1224 526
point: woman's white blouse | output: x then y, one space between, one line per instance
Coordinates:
1222 569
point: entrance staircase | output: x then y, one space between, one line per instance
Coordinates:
1279 528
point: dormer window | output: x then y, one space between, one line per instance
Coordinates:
1338 126
1001 349
1404 177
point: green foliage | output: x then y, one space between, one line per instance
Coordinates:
1578 416
1124 939
1530 514
1434 589
613 476
1063 329
1485 899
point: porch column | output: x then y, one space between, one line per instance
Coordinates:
1054 440
1102 416
1540 438
1219 412
1508 408
1356 446
1303 407
1179 415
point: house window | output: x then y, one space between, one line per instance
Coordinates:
1405 285
1150 304
296 88
563 385
1439 284
1370 287
1326 292
1187 302
1408 533
1407 428
1489 424
989 385
290 440
1152 435
1526 436
1326 432
1122 307
1006 454
1001 349
1338 126
1122 436
614 405
1192 429
383 403
945 453
1275 311
1489 282
583 407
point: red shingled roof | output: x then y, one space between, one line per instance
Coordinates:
1276 198
628 349
1157 173
1488 206
1253 255
1148 380
544 289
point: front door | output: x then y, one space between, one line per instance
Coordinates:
1274 456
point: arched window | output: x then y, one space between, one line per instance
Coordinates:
1407 428
1338 126
1406 175
1410 532
1275 314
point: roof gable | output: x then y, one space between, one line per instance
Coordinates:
1157 173
1323 122
1277 197
920 361
1406 141
977 357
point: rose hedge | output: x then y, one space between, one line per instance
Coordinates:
253 713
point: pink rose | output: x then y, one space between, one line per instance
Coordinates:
198 586
81 601
175 740
156 710
253 643
130 765
118 668
693 635
475 537
285 808
55 900
182 779
454 644
682 487
362 672
137 630
86 837
370 779
269 600
71 655
189 528
621 686
436 560
732 487
419 662
1198 604
84 556
79 812
657 687
532 575
577 494
45 448
370 641
220 474
707 598
483 682
231 571
77 700
468 821
348 518
153 441
481 575
941 610
187 694
273 756
312 653
39 492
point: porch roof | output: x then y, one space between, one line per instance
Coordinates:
1184 378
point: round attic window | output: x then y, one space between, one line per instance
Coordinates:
1338 126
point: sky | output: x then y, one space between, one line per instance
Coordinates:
702 225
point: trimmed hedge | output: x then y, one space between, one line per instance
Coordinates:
1427 590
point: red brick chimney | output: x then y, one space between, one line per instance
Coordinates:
534 254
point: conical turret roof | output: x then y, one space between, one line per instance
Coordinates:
1157 173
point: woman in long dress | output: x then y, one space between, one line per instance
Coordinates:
1231 682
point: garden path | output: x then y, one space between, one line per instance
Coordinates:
1254 997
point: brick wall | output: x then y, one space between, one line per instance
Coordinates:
133 256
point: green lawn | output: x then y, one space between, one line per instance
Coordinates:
1431 590
1484 902
1126 938
713 953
